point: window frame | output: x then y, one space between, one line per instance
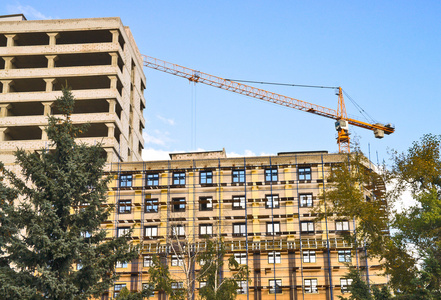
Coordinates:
341 224
304 173
274 257
205 177
238 176
152 181
153 229
309 200
274 200
120 287
310 257
177 285
241 226
241 258
178 230
153 203
177 260
120 231
121 264
308 225
205 227
271 174
242 287
275 286
125 208
179 178
273 226
310 288
239 202
344 256
344 287
179 204
206 201
147 260
125 180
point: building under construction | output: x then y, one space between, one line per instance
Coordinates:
259 206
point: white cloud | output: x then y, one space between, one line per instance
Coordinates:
159 138
247 153
27 10
165 120
154 154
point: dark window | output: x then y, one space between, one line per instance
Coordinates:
151 205
124 206
239 202
342 225
272 228
151 231
178 204
238 176
206 177
307 226
125 180
344 256
179 178
152 179
311 286
239 229
275 286
304 173
305 200
309 256
271 175
205 203
272 201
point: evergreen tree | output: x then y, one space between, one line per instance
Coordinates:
52 245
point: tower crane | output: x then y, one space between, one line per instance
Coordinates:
342 121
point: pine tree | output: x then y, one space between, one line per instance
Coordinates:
52 245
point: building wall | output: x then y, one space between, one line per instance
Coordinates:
295 176
97 58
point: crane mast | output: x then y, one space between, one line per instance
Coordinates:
339 115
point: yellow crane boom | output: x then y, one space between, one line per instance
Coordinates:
339 115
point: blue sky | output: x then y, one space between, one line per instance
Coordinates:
385 54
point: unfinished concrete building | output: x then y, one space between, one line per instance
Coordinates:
260 206
97 58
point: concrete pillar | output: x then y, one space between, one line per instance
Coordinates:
47 107
110 130
109 155
9 60
43 133
53 38
114 59
115 36
113 82
112 105
3 131
10 40
49 84
7 85
4 110
51 59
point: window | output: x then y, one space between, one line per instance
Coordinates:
152 179
274 257
304 173
341 225
202 284
125 180
179 178
205 229
239 202
309 256
177 285
238 176
147 261
272 201
147 286
271 175
178 230
177 260
205 203
344 284
85 234
122 231
79 266
242 286
241 258
151 231
307 226
124 206
151 205
275 286
344 256
272 228
117 288
311 286
239 229
206 177
178 204
305 200
121 264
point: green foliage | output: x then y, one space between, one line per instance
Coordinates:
50 218
160 279
125 294
359 289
